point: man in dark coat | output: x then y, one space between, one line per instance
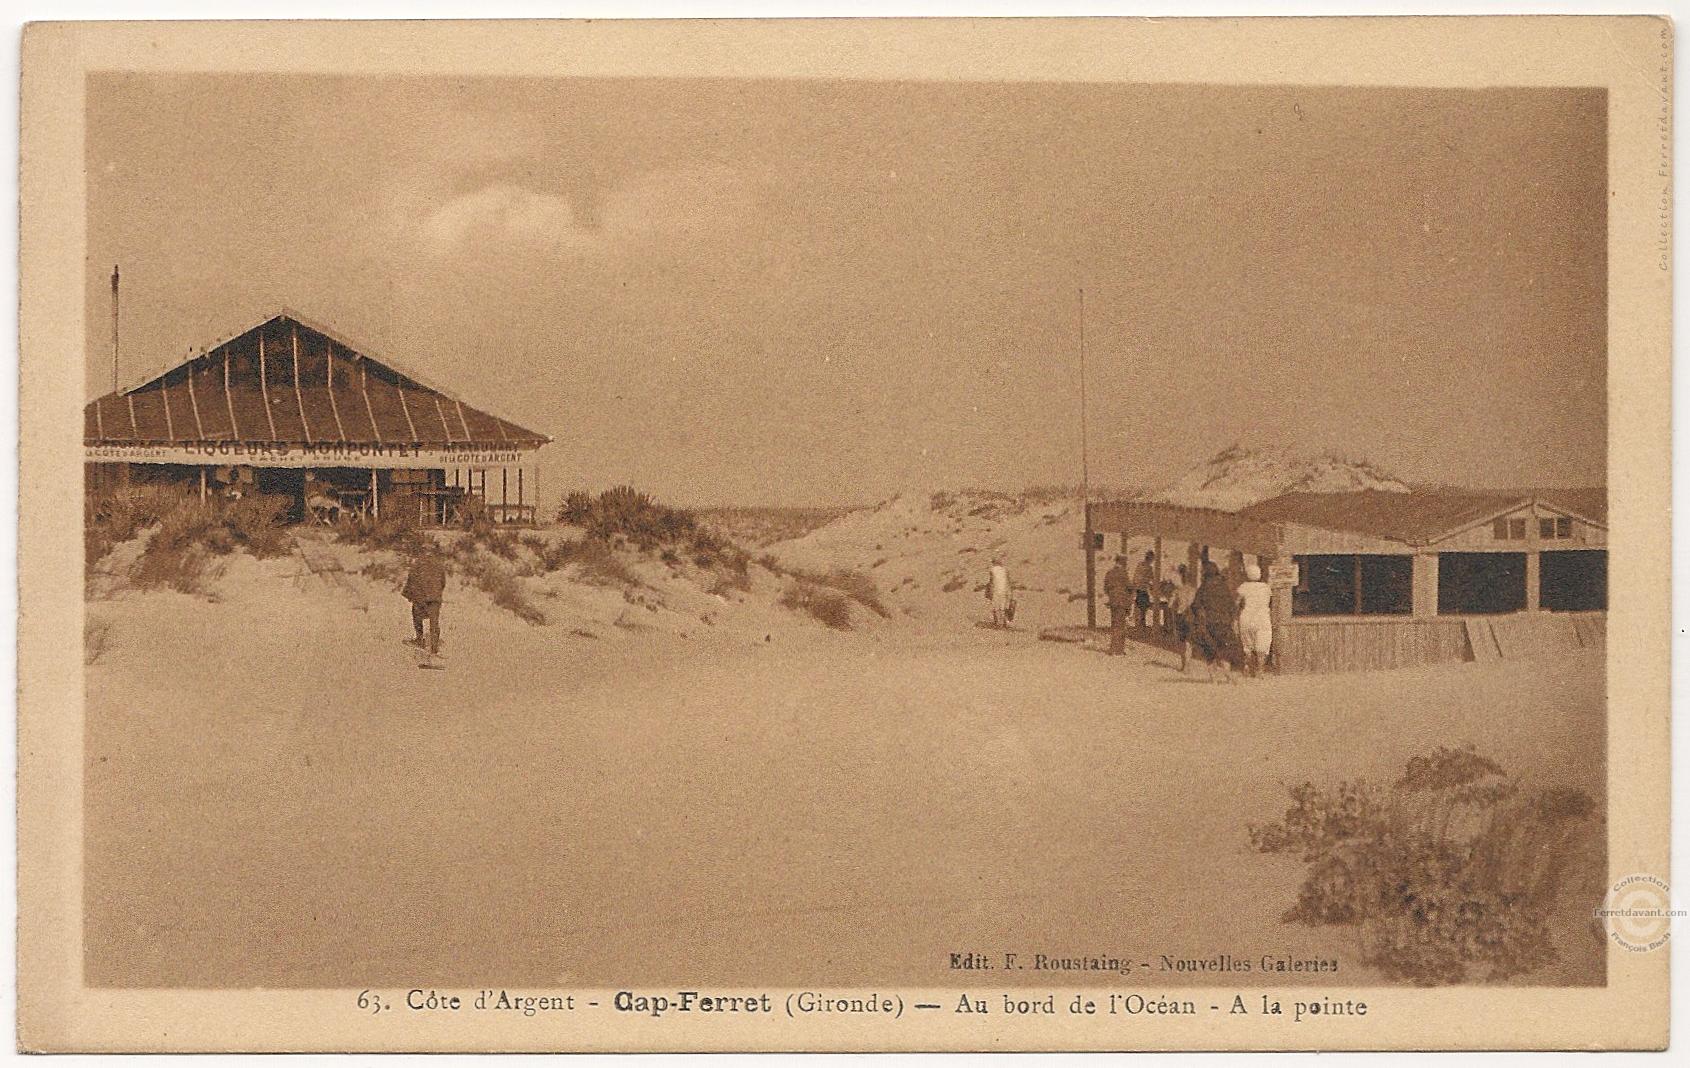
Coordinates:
1118 591
1214 620
425 587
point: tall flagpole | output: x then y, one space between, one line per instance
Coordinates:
114 328
1085 462
1085 479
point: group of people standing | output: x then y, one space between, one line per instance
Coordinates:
1226 627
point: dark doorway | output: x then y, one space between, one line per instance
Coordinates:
1481 583
284 483
1573 580
1353 585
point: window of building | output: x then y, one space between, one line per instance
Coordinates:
1506 529
1351 585
1563 527
1573 580
1481 583
1546 528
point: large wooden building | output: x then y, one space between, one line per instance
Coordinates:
290 408
1376 579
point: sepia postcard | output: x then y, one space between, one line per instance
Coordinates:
845 535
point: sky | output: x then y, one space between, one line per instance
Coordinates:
791 292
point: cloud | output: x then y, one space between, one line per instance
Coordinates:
651 209
504 213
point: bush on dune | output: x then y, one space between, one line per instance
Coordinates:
855 585
624 515
826 605
487 573
117 515
259 525
185 532
627 513
395 531
1449 876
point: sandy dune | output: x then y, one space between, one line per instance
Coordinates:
278 796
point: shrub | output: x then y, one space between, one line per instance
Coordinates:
599 564
736 575
259 525
1449 873
185 532
856 585
488 575
829 606
178 551
577 508
395 531
116 515
627 513
507 592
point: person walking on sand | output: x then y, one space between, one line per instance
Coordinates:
997 592
1118 592
1213 614
1255 621
1144 588
1179 613
425 588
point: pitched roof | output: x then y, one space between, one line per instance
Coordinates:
248 388
1415 518
1589 503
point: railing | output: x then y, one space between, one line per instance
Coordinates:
513 514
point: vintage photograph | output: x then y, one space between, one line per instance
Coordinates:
583 516
709 533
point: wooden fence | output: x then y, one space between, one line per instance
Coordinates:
1324 645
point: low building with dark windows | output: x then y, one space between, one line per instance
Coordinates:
290 408
1376 579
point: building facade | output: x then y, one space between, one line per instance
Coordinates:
1376 579
289 408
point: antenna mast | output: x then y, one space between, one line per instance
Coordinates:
114 328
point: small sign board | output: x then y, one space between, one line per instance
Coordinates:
1283 574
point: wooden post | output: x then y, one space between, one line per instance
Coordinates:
1534 572
1425 585
1357 561
519 499
504 486
1091 571
202 485
375 495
